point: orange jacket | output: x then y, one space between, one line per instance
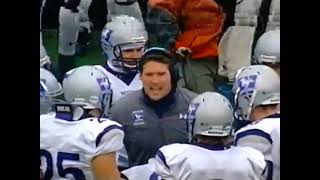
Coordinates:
201 23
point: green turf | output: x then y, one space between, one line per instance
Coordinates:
92 57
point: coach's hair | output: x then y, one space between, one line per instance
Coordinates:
163 56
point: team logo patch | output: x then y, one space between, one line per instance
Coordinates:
183 116
192 110
247 85
191 118
107 41
104 85
138 117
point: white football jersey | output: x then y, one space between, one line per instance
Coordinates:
263 135
68 147
204 162
142 172
119 88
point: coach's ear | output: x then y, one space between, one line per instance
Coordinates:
125 2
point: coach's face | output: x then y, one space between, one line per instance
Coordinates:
156 80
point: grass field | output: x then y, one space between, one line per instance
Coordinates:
92 57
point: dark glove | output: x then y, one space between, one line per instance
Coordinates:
184 53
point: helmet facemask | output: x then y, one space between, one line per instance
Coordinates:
120 35
127 55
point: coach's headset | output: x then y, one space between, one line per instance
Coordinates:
168 58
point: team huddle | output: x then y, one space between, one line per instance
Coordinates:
130 119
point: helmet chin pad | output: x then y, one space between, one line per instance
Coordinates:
132 64
125 66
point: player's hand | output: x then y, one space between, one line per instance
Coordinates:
184 53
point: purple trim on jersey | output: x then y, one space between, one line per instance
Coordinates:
154 176
213 147
163 159
64 116
107 129
269 167
256 132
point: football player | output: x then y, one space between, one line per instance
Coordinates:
257 97
50 90
267 50
76 141
123 42
75 28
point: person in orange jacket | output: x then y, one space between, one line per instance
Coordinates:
193 25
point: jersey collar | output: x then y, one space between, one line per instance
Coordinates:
213 147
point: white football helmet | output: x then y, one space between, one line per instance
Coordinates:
267 49
54 87
44 58
255 85
45 102
88 87
123 33
210 114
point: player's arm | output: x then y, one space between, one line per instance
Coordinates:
109 140
104 167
